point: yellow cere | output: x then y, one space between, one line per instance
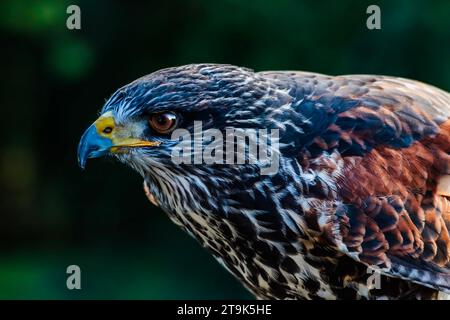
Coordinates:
121 137
106 120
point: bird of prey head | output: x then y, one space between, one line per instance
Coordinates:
362 181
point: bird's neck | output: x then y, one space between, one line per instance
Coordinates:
306 196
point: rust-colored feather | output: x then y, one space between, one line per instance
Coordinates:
395 191
392 192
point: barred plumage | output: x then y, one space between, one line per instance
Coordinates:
363 180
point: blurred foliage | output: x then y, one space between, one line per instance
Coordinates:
55 80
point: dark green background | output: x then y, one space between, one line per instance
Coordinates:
54 81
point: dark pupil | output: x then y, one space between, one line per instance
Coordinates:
162 119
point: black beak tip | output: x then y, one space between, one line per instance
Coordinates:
82 164
82 155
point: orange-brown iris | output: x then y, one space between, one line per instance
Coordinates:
163 122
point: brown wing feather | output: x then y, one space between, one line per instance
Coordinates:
392 206
396 206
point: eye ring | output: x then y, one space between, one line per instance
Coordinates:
163 122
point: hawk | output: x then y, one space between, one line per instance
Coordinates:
358 207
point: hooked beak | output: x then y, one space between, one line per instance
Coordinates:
104 137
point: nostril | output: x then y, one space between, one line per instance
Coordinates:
107 130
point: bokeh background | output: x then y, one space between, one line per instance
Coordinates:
54 81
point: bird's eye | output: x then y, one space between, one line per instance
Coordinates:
163 122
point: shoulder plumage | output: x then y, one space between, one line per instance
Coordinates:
393 137
355 113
